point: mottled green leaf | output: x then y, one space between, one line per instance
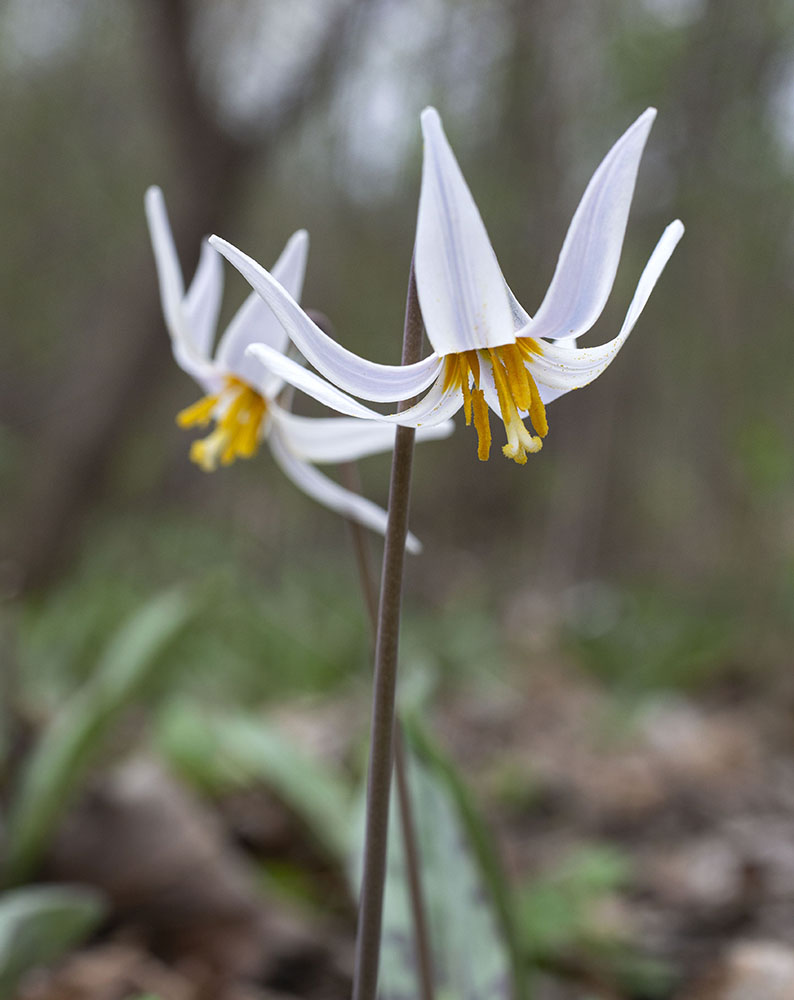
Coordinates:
470 959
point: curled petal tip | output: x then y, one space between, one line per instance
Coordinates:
642 124
430 118
153 194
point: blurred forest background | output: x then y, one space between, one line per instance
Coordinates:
649 547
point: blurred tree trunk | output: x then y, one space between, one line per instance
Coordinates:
120 360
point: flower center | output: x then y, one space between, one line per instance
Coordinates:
238 411
515 389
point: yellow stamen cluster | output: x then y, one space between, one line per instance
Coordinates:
238 411
515 388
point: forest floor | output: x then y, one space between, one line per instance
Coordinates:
652 848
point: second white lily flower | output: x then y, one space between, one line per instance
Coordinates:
241 396
488 352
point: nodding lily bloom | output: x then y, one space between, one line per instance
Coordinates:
488 352
240 395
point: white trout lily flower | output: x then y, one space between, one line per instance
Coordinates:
240 395
487 351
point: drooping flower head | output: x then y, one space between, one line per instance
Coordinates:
241 395
488 353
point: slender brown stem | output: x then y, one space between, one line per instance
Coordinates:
352 481
370 914
424 955
422 948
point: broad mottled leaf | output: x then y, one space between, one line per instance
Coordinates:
40 923
66 749
470 959
479 837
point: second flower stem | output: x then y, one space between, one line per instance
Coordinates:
370 914
413 865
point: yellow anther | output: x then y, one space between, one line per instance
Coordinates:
464 383
482 425
199 413
516 391
518 377
239 412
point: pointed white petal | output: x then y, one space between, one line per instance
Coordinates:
548 395
253 323
290 269
275 363
256 323
381 383
343 439
559 368
169 274
331 494
461 289
436 406
203 301
172 291
208 376
589 257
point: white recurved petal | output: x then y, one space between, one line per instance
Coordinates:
589 257
461 289
252 323
560 369
380 383
255 322
343 439
169 273
202 304
290 268
436 406
331 494
172 292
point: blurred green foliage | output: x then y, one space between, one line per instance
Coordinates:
565 912
39 924
220 753
644 639
73 741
